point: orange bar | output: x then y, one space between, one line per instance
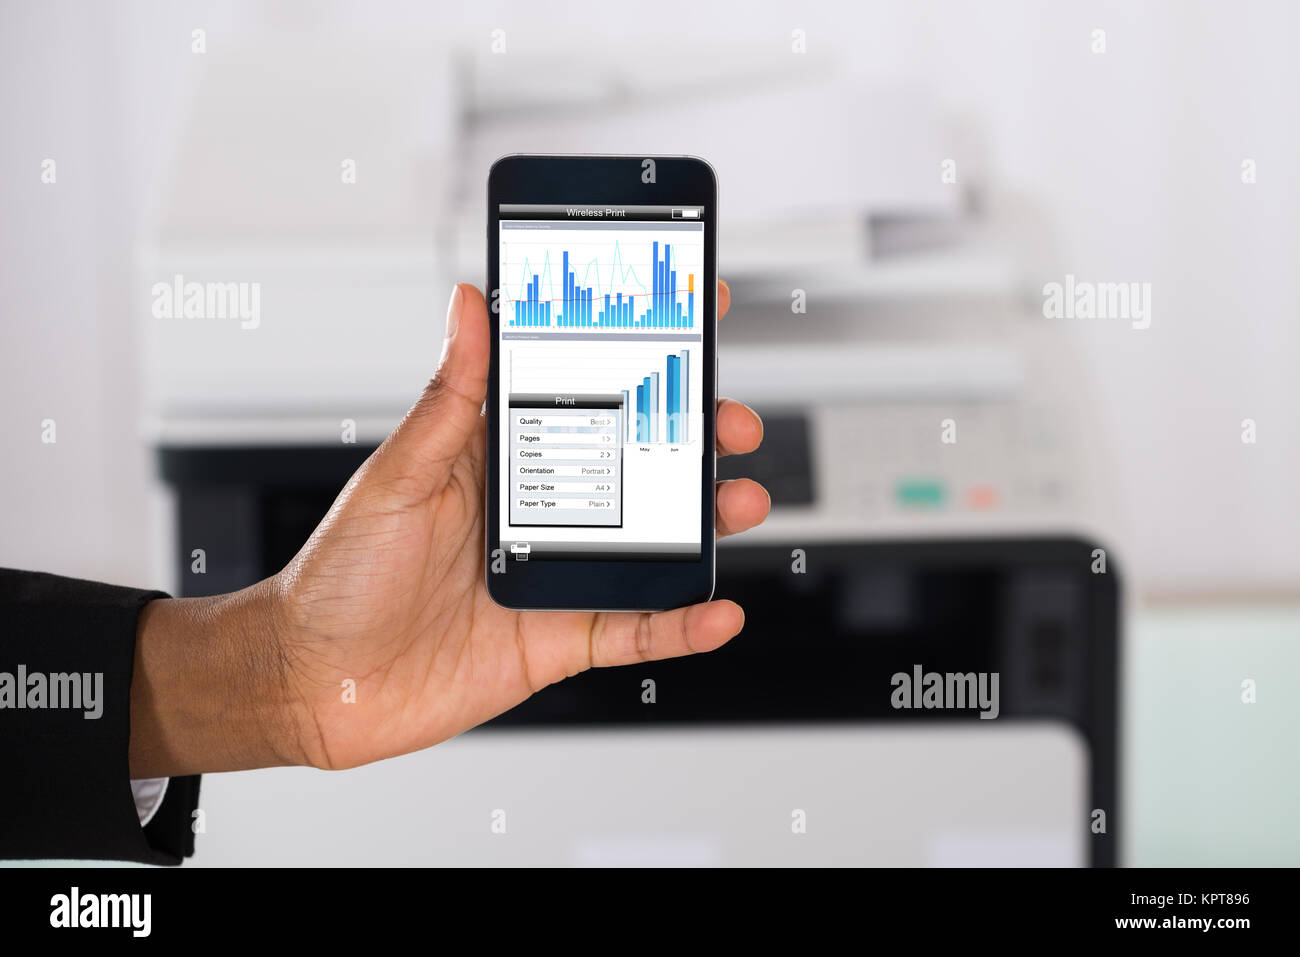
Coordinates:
982 497
690 282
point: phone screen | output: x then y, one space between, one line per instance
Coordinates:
601 375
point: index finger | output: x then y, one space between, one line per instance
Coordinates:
724 298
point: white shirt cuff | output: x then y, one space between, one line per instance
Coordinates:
149 794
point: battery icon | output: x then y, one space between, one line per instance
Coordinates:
691 213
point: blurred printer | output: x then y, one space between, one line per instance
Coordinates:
927 450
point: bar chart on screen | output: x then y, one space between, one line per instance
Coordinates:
654 383
626 281
666 420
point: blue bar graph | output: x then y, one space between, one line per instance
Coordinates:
642 416
654 407
672 397
663 420
655 291
571 303
684 396
649 410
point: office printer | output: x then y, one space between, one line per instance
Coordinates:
938 490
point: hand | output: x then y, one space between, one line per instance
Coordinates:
389 593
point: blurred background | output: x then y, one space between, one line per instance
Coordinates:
916 173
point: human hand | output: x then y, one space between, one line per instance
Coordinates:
389 593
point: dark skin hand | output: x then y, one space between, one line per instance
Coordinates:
389 594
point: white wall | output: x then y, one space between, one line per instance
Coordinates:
1133 156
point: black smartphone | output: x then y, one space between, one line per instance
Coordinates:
602 280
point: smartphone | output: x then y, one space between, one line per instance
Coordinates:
602 281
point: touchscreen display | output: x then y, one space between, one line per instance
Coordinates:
601 352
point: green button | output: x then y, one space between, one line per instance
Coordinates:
919 494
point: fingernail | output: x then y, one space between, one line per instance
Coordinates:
453 311
453 321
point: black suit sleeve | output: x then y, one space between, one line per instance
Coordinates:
67 649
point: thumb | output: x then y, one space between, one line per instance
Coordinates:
424 446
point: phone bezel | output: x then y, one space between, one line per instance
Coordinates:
620 585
